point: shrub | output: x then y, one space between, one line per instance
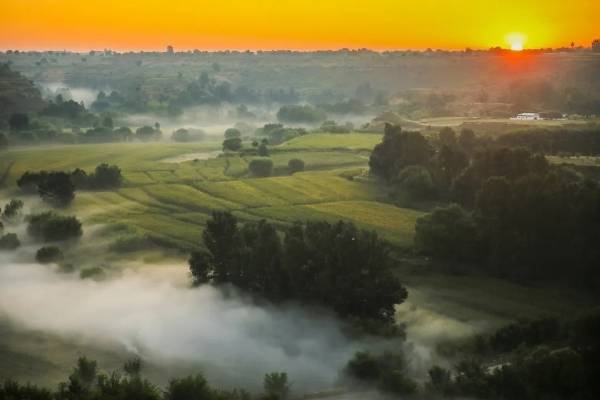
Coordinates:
387 371
295 165
106 176
9 241
49 254
181 135
261 167
12 209
49 227
233 133
233 144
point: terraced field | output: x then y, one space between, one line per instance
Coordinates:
171 200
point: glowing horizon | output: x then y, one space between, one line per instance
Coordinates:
291 24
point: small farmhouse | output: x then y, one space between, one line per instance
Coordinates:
528 116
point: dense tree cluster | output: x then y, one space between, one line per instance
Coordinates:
530 360
104 177
333 265
50 227
516 215
58 188
531 222
69 110
399 149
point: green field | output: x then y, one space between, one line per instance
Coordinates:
354 141
171 200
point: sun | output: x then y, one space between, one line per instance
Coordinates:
516 41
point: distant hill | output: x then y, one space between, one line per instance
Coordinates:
17 93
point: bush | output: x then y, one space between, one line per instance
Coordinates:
261 167
233 133
56 188
181 135
386 370
9 241
49 254
300 114
12 209
233 144
295 165
49 227
106 176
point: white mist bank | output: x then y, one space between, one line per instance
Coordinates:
159 318
77 94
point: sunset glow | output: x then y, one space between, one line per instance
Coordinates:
293 24
516 41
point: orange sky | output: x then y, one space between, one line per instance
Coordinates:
293 24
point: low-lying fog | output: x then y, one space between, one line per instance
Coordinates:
154 313
78 94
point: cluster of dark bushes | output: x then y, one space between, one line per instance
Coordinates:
332 265
278 133
9 241
58 188
300 114
10 214
261 167
515 215
50 227
49 254
386 371
86 382
69 110
528 360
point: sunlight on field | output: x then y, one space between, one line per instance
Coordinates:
354 141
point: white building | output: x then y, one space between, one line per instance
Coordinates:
528 116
